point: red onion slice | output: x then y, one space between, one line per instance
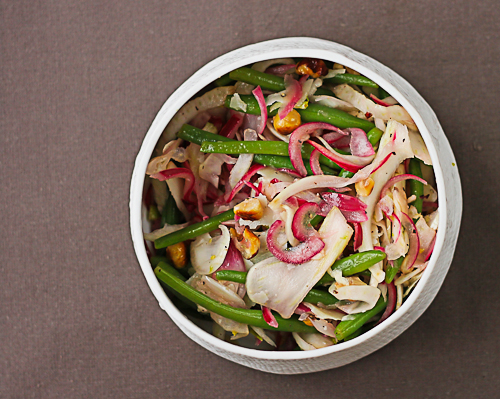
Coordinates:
302 308
289 171
391 302
298 137
295 255
232 125
344 202
379 101
399 224
355 217
314 162
397 179
253 170
353 209
427 254
301 224
280 70
183 173
269 317
293 93
359 144
412 232
252 186
382 162
233 260
358 236
339 159
263 108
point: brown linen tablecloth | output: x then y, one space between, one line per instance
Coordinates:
81 81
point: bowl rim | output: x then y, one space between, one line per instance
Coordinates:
278 48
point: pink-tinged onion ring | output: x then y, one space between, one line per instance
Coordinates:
252 186
289 171
334 156
391 302
257 92
355 217
359 144
280 70
183 173
382 162
298 137
398 178
314 162
301 224
414 239
233 260
344 202
269 317
379 101
295 255
232 125
379 248
353 209
358 236
430 249
302 308
253 170
293 92
398 222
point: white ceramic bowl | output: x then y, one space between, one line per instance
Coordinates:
447 179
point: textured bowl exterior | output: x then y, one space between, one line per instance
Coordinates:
447 180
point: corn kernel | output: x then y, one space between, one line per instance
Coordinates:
250 209
364 187
288 124
177 254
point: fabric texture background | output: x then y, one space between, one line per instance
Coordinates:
80 83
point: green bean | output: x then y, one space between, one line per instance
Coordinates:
416 187
198 136
224 80
360 331
194 230
247 147
313 113
262 147
313 296
170 214
352 80
391 271
346 173
317 220
316 296
252 105
382 93
265 80
374 136
348 327
164 273
355 263
157 259
335 117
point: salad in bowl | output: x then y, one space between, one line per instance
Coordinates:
296 206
